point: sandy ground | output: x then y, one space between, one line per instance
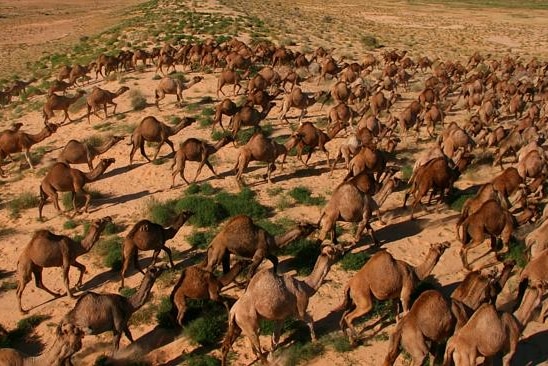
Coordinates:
127 191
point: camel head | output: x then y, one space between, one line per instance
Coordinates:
440 247
197 79
307 228
118 138
100 224
52 127
330 250
71 336
108 162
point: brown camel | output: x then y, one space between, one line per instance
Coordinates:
535 271
242 237
152 130
384 278
230 77
98 313
14 140
300 100
60 103
80 71
367 159
310 136
47 249
103 97
489 332
169 85
274 297
147 235
62 178
58 86
76 152
193 149
248 116
260 148
68 341
197 283
226 107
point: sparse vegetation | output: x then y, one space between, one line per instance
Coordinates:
138 100
21 202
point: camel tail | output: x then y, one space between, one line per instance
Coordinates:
347 302
394 345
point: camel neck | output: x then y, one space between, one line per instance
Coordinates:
140 297
40 136
96 172
91 238
315 279
106 146
284 239
425 268
531 299
52 356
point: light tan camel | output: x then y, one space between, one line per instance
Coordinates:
62 178
169 85
300 100
384 278
229 77
248 116
101 97
351 203
535 271
193 149
489 332
60 103
260 148
76 152
14 140
98 313
146 235
68 341
274 297
152 130
242 237
198 283
50 250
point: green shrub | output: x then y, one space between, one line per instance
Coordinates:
161 212
305 252
207 212
23 201
70 224
163 314
110 250
406 172
517 252
66 199
457 200
354 261
111 228
242 203
369 42
303 195
201 239
204 188
208 328
201 360
128 291
301 352
22 331
138 100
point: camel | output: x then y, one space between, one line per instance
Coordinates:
537 240
350 203
350 147
310 136
68 341
103 97
47 249
229 77
14 140
367 159
432 318
98 313
62 178
262 98
169 85
489 332
436 174
152 130
60 103
147 235
242 237
260 148
193 149
492 219
79 71
300 100
197 283
536 270
274 297
383 278
248 116
76 152
58 86
226 107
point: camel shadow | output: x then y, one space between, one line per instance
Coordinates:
532 350
100 279
301 173
401 230
115 200
120 170
6 274
200 351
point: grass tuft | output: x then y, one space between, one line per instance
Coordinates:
354 261
22 202
138 100
303 195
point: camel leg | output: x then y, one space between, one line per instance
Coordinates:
143 152
66 269
168 252
24 277
464 252
127 332
155 256
180 305
249 326
158 150
274 261
88 199
364 304
82 270
113 111
27 155
339 154
37 272
278 326
257 259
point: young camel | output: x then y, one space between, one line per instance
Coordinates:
46 249
300 100
197 283
489 332
146 235
103 97
76 152
60 103
248 116
193 149
384 278
309 135
260 148
536 270
13 141
242 237
274 297
226 107
98 313
230 77
68 341
175 86
62 178
152 130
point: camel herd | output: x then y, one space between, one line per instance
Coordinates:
508 104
